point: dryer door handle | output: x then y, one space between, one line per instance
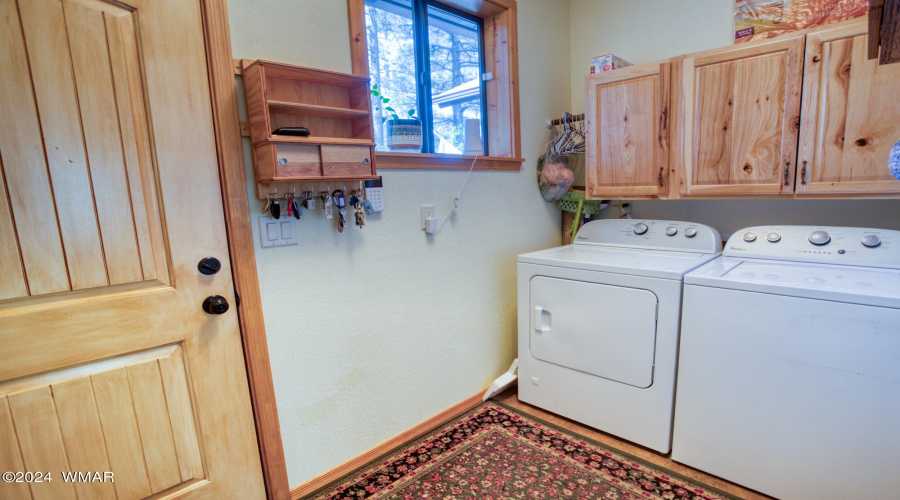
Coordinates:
541 320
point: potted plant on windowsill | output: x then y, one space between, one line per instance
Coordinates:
402 133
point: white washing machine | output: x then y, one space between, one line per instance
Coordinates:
789 369
598 324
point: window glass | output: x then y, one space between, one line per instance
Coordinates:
392 61
409 37
455 60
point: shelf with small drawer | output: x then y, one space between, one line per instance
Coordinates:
334 107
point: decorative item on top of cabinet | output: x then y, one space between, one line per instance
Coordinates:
627 116
851 116
335 109
738 114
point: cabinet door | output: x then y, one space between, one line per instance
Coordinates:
739 112
627 122
851 116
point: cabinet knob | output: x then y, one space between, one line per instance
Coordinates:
803 173
787 173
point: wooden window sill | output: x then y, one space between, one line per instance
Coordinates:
431 161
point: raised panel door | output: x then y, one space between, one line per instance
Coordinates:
110 197
627 153
739 113
851 116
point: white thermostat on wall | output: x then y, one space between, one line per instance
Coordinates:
277 232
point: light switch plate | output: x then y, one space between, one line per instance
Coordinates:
277 232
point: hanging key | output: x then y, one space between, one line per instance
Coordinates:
289 204
339 200
309 201
360 215
342 217
297 212
326 204
268 204
275 209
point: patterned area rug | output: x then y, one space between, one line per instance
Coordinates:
494 452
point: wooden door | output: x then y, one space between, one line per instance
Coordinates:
739 112
109 198
627 132
851 116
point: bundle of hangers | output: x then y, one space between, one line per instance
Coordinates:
570 140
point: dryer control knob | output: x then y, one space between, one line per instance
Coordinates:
819 238
640 228
671 231
749 237
690 232
773 237
871 241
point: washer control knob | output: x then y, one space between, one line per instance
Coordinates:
871 240
671 231
749 237
690 232
640 228
773 237
819 238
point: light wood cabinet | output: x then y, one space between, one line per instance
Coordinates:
735 125
737 121
627 153
334 107
851 116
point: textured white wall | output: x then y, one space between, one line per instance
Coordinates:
371 332
641 31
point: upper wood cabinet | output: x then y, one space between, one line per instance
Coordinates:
736 126
627 123
801 115
851 116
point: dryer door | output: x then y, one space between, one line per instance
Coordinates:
604 330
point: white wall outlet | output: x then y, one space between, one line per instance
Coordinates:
427 213
277 232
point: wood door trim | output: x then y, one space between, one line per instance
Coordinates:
415 432
240 243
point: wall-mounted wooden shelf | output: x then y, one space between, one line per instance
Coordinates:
334 107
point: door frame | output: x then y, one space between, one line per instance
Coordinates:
226 123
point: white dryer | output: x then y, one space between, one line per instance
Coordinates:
788 378
598 324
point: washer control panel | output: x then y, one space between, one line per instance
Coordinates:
651 234
837 245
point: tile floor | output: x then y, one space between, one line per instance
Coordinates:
509 398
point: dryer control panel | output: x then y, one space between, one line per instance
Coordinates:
827 245
651 234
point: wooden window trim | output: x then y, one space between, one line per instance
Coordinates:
227 128
501 59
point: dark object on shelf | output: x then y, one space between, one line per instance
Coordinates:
298 131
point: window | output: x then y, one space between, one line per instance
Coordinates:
499 94
426 58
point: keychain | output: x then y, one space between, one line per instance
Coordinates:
360 215
275 208
341 203
309 201
326 204
296 204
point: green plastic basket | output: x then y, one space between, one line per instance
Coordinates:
576 202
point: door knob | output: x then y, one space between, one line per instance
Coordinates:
209 265
215 304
